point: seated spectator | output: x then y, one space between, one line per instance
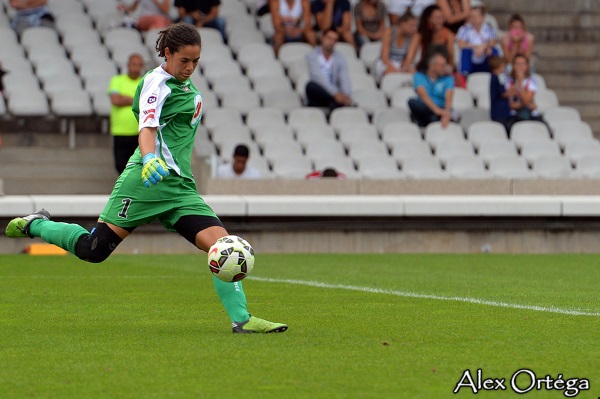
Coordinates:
431 37
522 103
327 173
292 22
501 93
329 79
370 18
394 47
154 14
334 14
477 41
517 40
435 90
456 13
31 13
397 8
238 168
201 13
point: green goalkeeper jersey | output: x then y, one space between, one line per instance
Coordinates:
175 109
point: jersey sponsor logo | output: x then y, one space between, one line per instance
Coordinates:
152 99
149 114
198 110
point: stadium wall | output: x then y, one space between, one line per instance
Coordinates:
360 224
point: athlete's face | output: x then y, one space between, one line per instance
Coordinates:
181 64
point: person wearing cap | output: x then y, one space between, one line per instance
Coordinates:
238 168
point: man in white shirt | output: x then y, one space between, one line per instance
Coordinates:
238 168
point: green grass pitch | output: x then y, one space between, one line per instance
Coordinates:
361 326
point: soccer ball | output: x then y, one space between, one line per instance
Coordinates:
231 258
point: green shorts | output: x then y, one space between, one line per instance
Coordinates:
132 204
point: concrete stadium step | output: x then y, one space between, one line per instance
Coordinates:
56 155
56 186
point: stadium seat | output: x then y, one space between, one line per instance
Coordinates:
576 150
347 50
369 53
393 81
361 148
347 116
510 167
541 82
589 166
292 167
484 131
472 115
265 25
224 84
306 116
362 81
252 53
283 148
427 167
571 131
534 149
435 133
351 133
553 167
385 116
266 116
410 149
378 167
70 103
449 149
285 100
29 103
308 133
462 100
466 167
545 99
229 132
528 130
400 97
491 149
101 104
370 100
214 117
242 100
401 131
323 148
266 68
478 83
267 133
561 114
291 52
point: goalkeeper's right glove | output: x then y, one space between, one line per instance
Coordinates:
154 170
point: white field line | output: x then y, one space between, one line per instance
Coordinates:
317 284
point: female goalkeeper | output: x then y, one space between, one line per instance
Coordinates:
157 182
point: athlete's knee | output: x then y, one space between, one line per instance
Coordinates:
97 246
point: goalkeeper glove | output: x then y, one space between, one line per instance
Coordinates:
154 170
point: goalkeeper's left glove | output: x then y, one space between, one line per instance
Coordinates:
154 170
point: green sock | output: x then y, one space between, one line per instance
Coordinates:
65 235
233 298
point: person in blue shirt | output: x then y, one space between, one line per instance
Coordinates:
435 90
500 94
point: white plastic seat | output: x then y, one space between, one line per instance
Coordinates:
264 117
30 103
534 149
572 131
324 148
284 148
378 167
242 100
401 96
101 104
453 149
291 52
410 149
269 67
466 167
71 102
484 131
462 99
39 37
561 114
576 150
351 133
361 81
62 82
385 116
392 81
121 37
524 131
285 100
222 85
401 131
370 100
511 167
347 50
209 99
348 116
361 148
292 167
478 83
473 115
306 116
434 133
265 25
264 85
545 99
589 166
85 37
210 37
427 167
369 53
267 133
224 68
239 39
214 117
308 133
541 82
228 132
491 149
553 167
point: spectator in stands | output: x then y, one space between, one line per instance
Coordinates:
397 8
238 168
201 13
456 13
31 13
435 90
431 37
501 93
370 17
394 47
292 22
327 173
477 41
517 40
153 14
329 79
123 124
522 103
334 14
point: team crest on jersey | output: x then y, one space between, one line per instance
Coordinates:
151 99
198 110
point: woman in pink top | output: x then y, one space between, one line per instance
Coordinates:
517 40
